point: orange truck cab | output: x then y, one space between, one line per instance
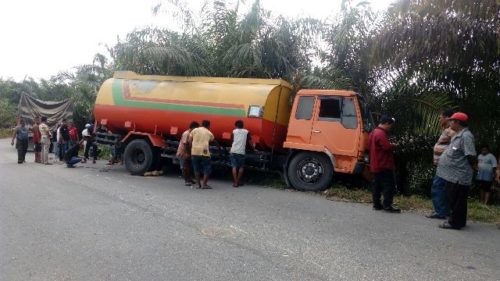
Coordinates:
327 133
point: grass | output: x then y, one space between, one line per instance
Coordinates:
5 133
483 213
417 204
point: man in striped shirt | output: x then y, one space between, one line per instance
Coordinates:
438 192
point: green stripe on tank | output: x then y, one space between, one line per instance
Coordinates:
119 100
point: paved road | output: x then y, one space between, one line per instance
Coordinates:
94 223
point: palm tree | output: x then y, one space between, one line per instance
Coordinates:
428 50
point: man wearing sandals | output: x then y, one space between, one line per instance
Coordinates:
455 167
200 139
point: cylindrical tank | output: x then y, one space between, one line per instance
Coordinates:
166 105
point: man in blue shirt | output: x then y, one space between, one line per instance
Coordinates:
21 137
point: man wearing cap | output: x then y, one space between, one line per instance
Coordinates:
382 165
455 167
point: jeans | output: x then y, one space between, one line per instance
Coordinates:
63 147
439 196
73 161
383 182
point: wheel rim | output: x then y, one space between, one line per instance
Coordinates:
139 157
310 170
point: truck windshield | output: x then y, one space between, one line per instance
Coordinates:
366 114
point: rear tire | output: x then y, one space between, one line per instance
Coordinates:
138 157
309 171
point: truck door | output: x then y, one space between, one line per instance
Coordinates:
299 130
335 125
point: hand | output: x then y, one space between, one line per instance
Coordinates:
12 143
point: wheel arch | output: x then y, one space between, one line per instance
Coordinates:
153 140
292 152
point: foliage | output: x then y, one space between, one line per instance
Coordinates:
5 133
349 40
224 43
7 114
431 55
159 51
441 52
83 84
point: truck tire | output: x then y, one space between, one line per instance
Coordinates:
138 157
309 171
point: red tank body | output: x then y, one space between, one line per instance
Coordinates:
166 105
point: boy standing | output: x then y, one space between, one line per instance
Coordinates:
486 167
241 138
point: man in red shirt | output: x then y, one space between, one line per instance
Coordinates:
73 134
37 137
382 165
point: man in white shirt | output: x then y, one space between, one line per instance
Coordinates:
241 138
486 167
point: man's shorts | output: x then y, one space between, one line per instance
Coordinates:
237 160
484 186
201 164
37 147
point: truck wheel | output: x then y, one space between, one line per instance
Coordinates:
310 171
138 157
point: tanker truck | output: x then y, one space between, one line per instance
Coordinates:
307 136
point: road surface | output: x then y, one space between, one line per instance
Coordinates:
97 222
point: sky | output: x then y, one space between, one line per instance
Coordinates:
43 37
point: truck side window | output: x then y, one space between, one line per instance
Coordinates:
329 109
305 108
349 117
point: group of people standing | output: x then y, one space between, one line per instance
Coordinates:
41 140
65 141
194 153
455 160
